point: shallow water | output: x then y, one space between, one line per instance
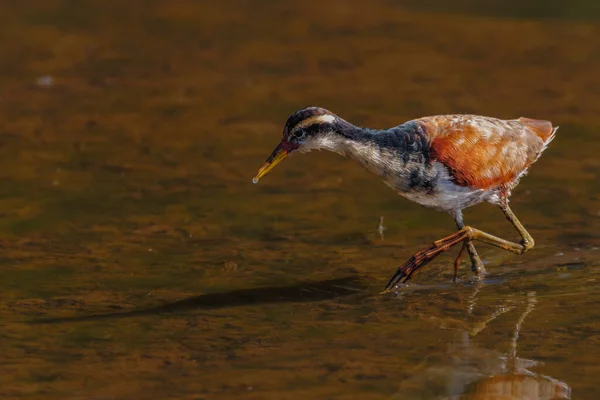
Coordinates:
140 262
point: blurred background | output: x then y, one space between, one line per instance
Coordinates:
138 261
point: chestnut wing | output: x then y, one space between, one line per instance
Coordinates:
484 152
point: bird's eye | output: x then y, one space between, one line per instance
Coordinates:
300 134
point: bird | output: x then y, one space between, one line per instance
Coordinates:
444 162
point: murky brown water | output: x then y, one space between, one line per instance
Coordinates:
139 262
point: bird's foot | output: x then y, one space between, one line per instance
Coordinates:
406 270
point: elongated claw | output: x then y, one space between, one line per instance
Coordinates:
406 270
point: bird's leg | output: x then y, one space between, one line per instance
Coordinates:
476 263
527 241
457 262
466 235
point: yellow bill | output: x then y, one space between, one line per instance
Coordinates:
275 158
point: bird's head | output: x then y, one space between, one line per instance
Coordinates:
306 129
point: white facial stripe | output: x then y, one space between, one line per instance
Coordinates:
319 119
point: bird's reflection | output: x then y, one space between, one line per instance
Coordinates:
467 371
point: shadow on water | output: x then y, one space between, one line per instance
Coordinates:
308 291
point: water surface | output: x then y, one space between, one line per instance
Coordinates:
139 261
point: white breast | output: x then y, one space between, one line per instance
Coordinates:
445 194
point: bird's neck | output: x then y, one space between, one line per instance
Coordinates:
345 139
359 144
393 154
400 156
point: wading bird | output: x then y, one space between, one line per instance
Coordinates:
444 162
